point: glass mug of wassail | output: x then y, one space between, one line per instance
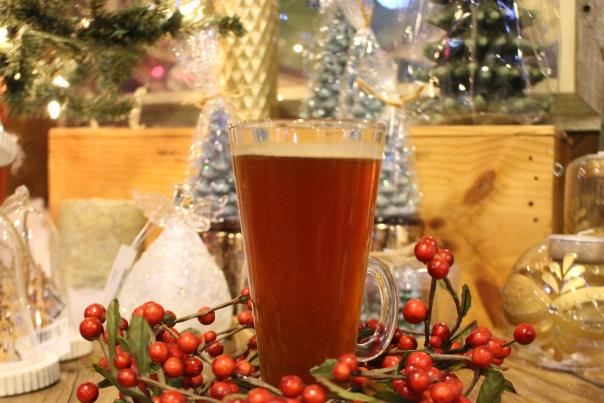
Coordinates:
307 194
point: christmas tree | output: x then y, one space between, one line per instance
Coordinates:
484 63
214 174
330 57
75 55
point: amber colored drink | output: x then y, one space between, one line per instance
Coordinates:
306 222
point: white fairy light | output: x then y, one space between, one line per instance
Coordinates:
54 109
298 48
190 7
60 81
3 35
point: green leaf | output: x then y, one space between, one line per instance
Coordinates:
401 364
109 377
191 330
364 333
509 386
104 384
255 360
389 396
492 388
113 319
466 300
324 370
139 337
343 393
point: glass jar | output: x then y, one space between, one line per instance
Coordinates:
584 194
558 286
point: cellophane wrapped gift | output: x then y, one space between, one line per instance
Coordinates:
177 270
328 58
210 169
484 61
364 57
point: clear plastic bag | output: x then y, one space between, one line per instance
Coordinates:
484 62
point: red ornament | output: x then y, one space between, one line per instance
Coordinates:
87 392
524 334
415 311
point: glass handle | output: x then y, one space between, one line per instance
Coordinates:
381 338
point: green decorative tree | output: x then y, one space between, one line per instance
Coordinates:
330 58
74 55
483 64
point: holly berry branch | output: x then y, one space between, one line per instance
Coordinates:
149 361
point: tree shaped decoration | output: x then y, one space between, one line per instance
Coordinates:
329 62
484 64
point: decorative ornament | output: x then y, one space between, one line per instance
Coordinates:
428 367
557 286
583 194
176 269
251 62
328 61
24 365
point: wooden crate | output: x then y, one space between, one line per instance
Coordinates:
488 190
489 193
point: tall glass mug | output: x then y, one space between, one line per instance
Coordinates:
307 194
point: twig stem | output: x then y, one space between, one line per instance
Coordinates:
475 379
189 395
429 314
455 297
242 299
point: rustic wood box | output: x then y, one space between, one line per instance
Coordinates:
488 191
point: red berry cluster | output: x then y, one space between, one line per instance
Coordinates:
438 260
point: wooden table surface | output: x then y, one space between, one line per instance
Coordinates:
532 384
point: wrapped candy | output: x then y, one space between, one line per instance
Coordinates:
364 57
210 171
177 270
328 61
486 62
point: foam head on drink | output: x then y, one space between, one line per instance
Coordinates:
307 214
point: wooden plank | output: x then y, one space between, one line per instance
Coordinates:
112 162
589 80
488 194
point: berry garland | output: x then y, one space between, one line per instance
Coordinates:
149 361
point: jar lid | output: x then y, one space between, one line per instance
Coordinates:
589 249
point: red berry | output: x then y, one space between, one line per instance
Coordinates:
215 349
259 395
419 359
350 360
123 324
223 366
429 239
173 367
524 334
407 342
438 268
246 318
208 318
341 372
456 345
87 392
245 292
167 336
425 251
127 378
172 396
91 328
197 380
95 311
482 357
415 311
462 399
360 381
418 380
497 361
244 367
291 385
188 342
495 347
442 392
219 390
250 304
314 394
103 363
153 313
193 366
441 330
479 337
406 392
398 333
447 255
252 343
209 336
453 380
169 318
391 361
434 373
435 341
138 311
122 360
505 351
174 351
159 352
